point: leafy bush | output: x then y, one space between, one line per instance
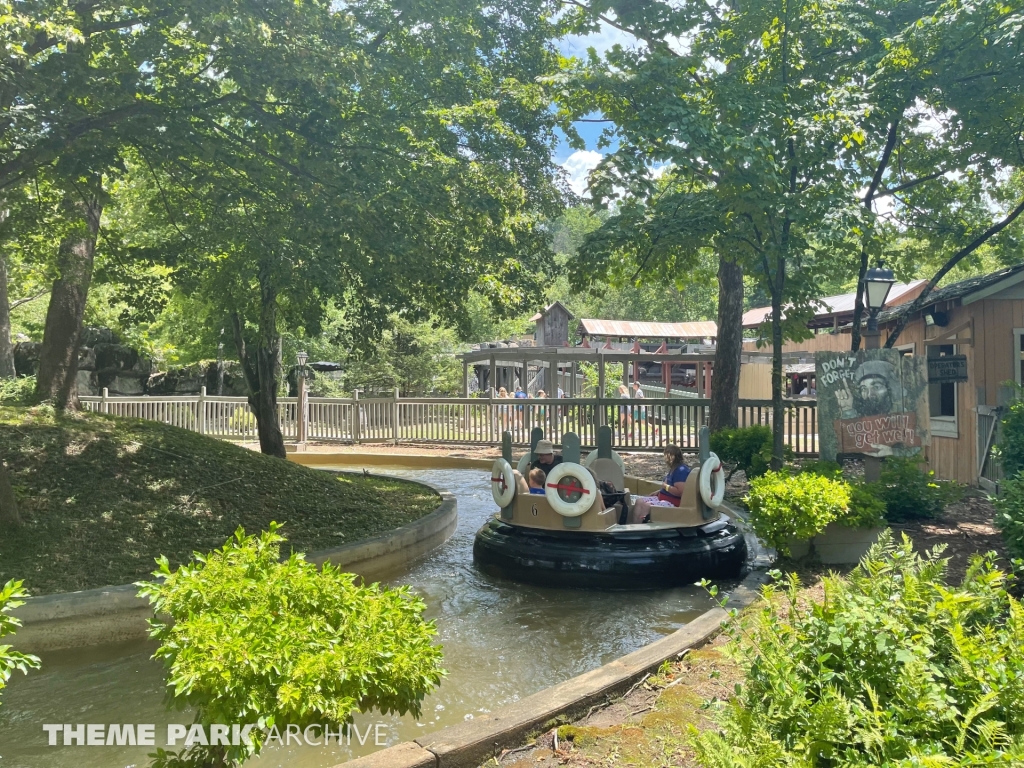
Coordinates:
894 667
746 448
866 508
1010 513
911 494
785 507
1011 438
19 391
252 639
12 661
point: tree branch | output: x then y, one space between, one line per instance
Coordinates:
955 259
18 302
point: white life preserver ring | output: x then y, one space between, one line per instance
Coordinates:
712 468
503 483
592 457
524 464
570 489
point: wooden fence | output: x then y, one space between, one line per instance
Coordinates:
637 425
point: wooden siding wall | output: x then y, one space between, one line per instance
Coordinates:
755 381
554 328
821 342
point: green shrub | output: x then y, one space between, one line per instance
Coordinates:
785 507
746 448
252 639
19 391
1011 438
11 661
895 667
911 494
866 508
1010 513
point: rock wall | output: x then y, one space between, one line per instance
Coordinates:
104 362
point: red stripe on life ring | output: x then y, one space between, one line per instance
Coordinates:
577 488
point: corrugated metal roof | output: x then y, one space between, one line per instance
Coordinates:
900 293
639 330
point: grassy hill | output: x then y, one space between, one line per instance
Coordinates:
102 497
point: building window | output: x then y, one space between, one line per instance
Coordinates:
942 398
1018 355
905 350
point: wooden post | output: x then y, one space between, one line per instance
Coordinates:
465 378
493 383
600 390
356 418
104 405
394 416
200 410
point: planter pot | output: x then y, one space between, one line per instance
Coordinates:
836 545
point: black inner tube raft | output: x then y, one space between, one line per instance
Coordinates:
644 559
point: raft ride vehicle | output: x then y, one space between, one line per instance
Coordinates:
571 536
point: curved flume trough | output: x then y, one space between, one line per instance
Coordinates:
503 642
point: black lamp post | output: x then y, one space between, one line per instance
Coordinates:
877 284
301 405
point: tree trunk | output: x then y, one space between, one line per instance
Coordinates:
58 359
726 389
260 369
6 347
8 503
778 413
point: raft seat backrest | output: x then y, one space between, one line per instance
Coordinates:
607 470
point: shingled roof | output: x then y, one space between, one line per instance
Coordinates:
954 291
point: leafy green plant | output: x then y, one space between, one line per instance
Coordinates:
785 507
1011 437
866 508
12 661
746 448
1010 513
18 391
911 494
894 667
252 639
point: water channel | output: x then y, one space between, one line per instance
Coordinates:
502 641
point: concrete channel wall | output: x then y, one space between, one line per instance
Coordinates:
470 744
115 614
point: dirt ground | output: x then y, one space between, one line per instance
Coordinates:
647 727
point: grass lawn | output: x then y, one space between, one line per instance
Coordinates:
102 497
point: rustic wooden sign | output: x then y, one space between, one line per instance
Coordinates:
948 368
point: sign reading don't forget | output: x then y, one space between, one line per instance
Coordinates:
871 402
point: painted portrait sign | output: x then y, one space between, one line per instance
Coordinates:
873 402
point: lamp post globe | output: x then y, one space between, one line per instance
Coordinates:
301 358
877 283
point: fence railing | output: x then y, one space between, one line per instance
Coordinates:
636 424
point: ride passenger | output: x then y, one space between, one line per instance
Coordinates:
536 479
546 458
671 492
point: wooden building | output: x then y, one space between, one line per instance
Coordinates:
982 319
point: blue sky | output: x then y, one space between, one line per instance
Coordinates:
578 163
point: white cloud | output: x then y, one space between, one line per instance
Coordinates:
601 41
578 165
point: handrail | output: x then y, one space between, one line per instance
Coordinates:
638 423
